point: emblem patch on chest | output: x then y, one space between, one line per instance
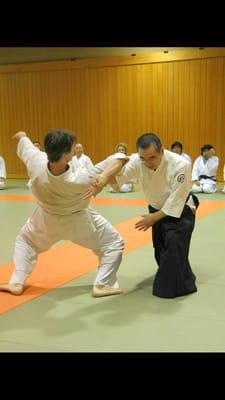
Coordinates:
180 178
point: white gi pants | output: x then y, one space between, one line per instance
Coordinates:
86 228
125 188
206 186
29 184
2 168
2 183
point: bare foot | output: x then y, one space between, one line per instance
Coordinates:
104 290
14 288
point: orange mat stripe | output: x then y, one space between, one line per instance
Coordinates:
208 204
119 202
62 264
98 201
207 207
17 197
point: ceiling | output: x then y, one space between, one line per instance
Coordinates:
20 55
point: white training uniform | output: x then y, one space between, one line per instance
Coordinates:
82 161
62 214
2 173
167 187
224 178
186 157
207 167
124 185
29 184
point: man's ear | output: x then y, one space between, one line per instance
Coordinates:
66 156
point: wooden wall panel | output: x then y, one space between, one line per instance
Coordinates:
178 100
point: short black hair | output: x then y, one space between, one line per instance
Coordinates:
177 144
147 139
58 142
206 147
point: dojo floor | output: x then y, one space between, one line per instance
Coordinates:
57 313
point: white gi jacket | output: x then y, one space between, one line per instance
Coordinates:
208 168
2 168
83 161
167 187
186 157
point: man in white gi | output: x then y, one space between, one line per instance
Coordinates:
2 173
223 178
80 159
177 147
166 180
204 171
63 214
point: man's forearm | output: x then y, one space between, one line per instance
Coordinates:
158 215
112 170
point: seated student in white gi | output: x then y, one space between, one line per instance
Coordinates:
120 184
177 147
80 159
223 178
204 171
63 214
2 173
166 180
38 145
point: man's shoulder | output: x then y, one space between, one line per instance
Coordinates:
38 160
135 157
186 156
176 161
86 157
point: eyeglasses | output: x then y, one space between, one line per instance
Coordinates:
148 160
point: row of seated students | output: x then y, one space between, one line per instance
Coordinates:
119 185
204 169
203 173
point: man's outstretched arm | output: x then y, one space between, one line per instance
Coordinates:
98 182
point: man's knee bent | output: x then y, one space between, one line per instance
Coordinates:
116 245
119 245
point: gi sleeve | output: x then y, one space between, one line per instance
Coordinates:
195 172
180 188
101 166
132 170
30 154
